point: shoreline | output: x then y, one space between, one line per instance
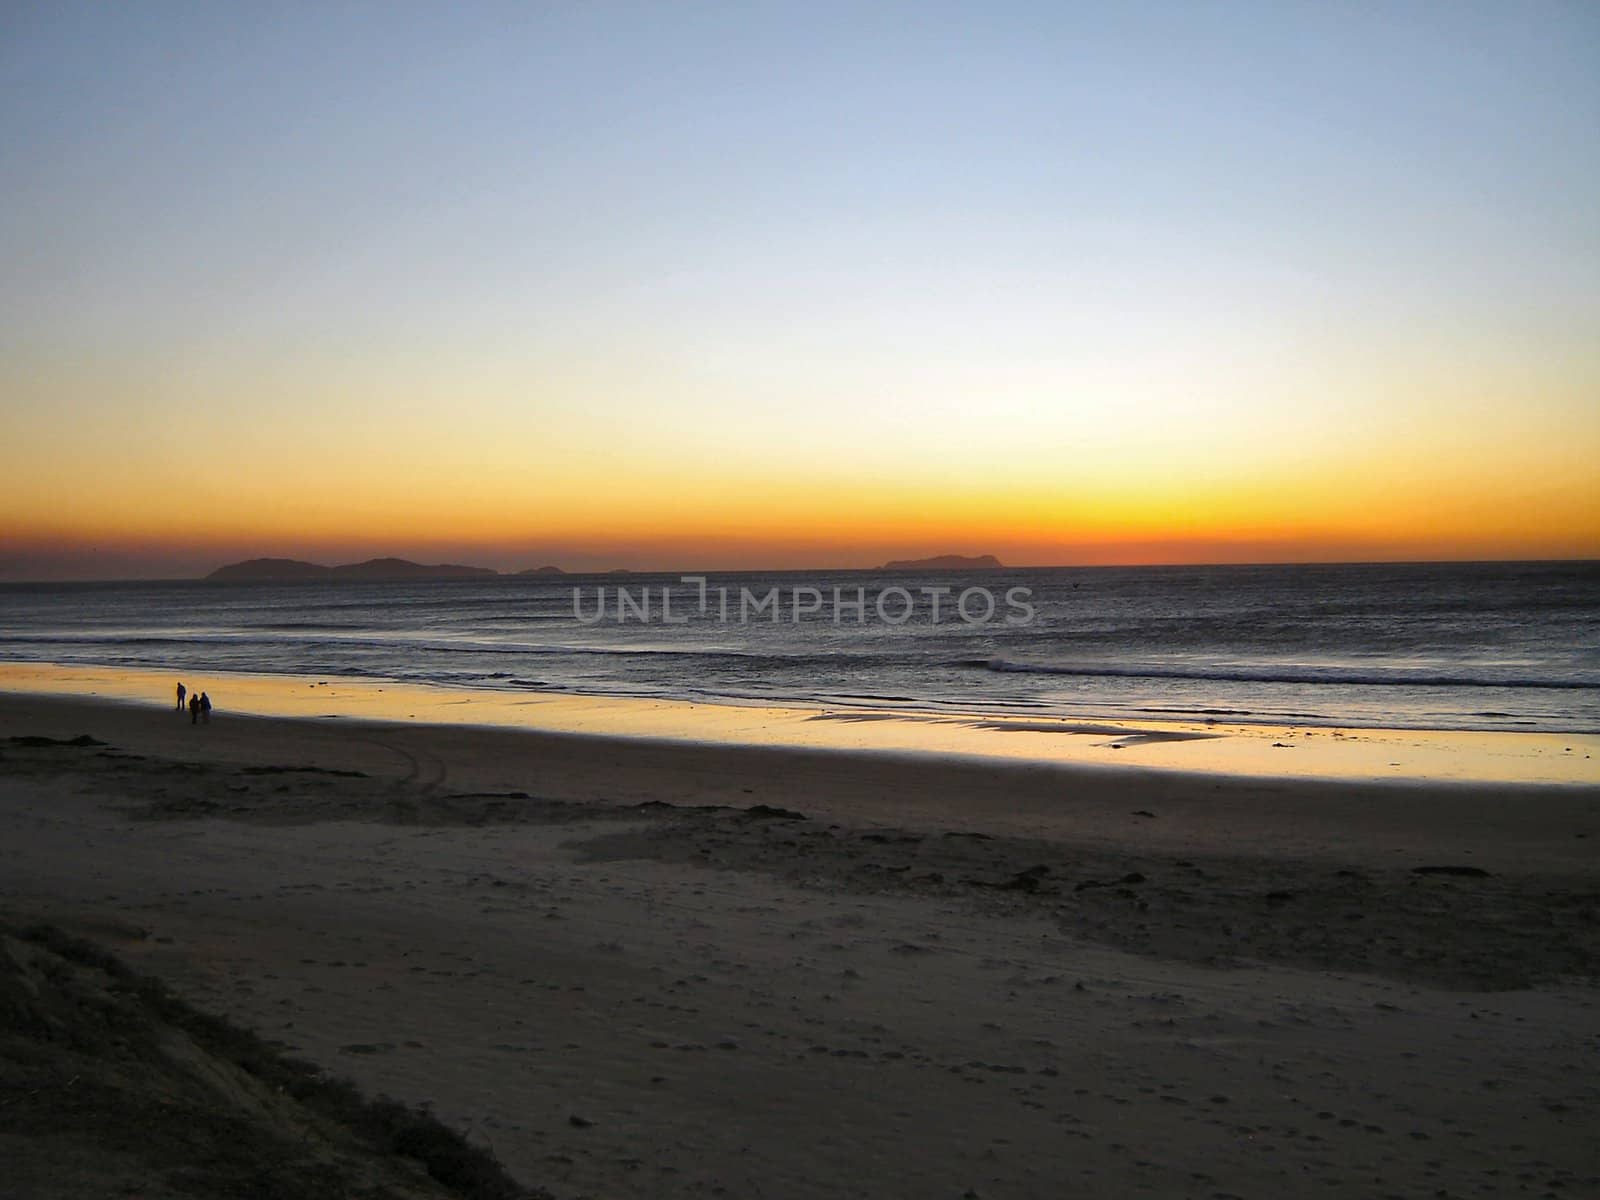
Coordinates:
1358 820
1210 749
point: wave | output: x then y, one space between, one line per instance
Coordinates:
1312 675
402 642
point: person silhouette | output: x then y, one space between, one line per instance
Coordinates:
194 710
180 697
205 709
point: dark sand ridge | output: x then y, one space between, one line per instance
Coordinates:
1013 979
110 1085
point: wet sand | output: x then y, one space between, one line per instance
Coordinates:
651 967
1214 747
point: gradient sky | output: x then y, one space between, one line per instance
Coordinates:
786 285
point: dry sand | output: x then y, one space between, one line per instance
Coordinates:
823 974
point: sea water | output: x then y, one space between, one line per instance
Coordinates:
1445 646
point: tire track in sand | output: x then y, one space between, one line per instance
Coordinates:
425 774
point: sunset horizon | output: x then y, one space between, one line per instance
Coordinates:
53 563
789 289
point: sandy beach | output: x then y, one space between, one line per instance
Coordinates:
788 602
638 967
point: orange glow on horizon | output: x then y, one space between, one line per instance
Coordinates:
669 517
831 539
1104 292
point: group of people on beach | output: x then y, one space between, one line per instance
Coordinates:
199 706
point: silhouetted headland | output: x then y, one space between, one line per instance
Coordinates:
945 562
287 569
376 568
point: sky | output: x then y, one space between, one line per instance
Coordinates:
752 285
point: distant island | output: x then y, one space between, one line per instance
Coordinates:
375 568
945 562
288 570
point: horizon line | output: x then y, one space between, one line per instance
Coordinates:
494 573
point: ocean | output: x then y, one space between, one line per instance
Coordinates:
1512 646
